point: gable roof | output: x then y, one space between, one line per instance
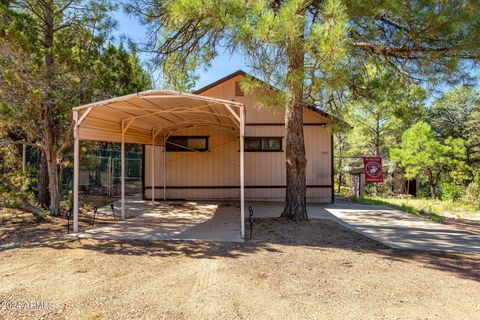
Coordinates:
222 80
243 73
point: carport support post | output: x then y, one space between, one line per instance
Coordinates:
242 172
123 171
164 167
76 160
153 167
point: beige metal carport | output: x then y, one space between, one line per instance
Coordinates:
150 117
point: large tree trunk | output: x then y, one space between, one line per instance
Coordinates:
295 198
432 191
340 181
51 157
49 111
43 196
431 182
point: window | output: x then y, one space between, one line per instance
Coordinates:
238 90
263 143
187 143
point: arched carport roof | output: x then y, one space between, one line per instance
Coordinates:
149 117
157 111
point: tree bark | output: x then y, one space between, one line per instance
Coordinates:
295 198
340 181
51 159
431 182
432 191
377 136
49 110
43 196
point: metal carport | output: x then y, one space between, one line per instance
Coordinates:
150 117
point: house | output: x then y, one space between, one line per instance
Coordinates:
216 143
202 163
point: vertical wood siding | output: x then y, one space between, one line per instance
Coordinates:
219 167
265 172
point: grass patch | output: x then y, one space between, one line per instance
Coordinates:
434 210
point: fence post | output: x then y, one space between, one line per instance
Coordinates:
110 176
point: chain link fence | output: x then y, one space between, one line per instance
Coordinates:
100 173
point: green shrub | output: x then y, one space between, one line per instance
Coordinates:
472 194
424 191
452 191
382 189
16 185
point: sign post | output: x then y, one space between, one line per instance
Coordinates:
373 169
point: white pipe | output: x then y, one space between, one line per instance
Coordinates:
242 172
123 172
76 175
164 168
153 168
110 175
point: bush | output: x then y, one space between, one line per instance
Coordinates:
472 194
382 189
451 191
423 191
16 185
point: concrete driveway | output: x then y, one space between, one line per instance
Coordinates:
398 229
394 228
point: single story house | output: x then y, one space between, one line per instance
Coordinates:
216 143
202 162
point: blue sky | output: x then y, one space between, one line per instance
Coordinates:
223 65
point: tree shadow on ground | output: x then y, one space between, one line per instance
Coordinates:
270 235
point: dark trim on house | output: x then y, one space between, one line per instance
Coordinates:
264 124
283 124
318 186
332 167
261 144
178 149
262 150
266 137
143 171
219 81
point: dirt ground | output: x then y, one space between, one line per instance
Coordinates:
18 226
315 270
464 224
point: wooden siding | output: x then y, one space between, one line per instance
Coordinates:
215 174
217 167
255 113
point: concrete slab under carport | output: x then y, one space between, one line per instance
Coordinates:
171 220
186 220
